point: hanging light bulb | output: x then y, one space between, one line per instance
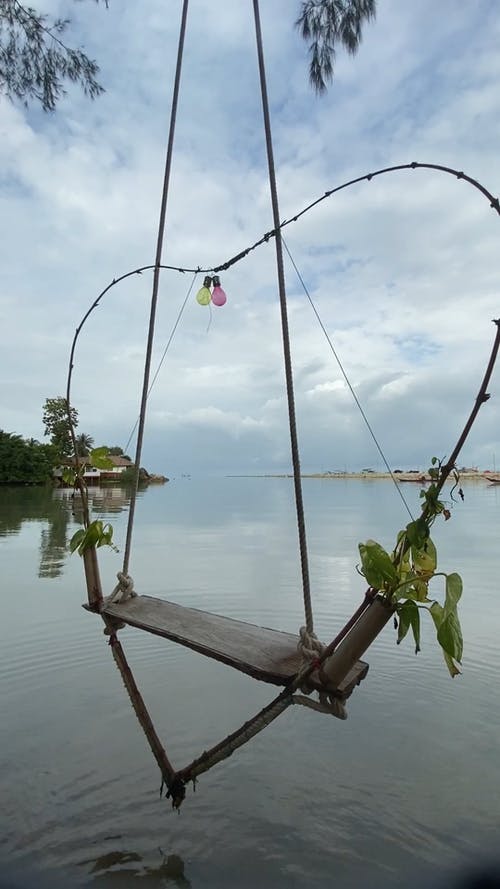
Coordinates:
218 295
204 296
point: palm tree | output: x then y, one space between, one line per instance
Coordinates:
326 23
84 444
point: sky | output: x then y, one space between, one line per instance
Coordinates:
404 271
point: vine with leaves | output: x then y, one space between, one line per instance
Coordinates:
94 533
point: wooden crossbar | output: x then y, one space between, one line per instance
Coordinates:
265 654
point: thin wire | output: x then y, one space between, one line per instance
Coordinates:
162 359
306 587
346 378
156 283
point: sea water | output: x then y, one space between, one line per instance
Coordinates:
406 790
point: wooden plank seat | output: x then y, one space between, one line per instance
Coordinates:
265 654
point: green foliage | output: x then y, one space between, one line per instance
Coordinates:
116 451
24 460
402 577
94 533
56 422
35 62
376 566
99 457
84 444
97 534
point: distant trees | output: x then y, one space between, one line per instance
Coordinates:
84 444
116 451
24 460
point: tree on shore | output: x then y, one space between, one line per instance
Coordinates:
24 461
84 444
55 420
116 451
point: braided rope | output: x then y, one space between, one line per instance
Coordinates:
156 284
299 504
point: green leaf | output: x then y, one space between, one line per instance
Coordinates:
106 536
454 588
376 565
421 589
438 616
76 539
452 667
100 459
417 533
404 621
424 559
437 613
450 636
68 476
409 616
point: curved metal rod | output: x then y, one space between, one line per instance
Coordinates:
414 165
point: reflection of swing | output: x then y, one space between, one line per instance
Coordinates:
298 663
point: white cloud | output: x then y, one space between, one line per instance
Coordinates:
403 270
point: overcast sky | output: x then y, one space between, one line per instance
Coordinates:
404 270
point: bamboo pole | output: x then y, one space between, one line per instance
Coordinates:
93 579
175 786
371 622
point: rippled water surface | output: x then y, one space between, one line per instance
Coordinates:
406 789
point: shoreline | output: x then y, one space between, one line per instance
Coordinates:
404 477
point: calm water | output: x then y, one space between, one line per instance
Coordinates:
405 790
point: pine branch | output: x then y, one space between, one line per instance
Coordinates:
34 60
326 23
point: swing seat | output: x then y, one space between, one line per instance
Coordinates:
267 655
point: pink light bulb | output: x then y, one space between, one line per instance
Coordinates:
219 298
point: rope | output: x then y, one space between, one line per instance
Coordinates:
162 359
156 282
284 328
348 382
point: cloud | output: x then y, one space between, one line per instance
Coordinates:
403 270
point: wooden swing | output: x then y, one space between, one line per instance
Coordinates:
296 663
268 655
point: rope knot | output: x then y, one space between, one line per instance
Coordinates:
309 646
311 649
123 590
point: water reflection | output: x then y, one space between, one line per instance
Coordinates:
109 870
59 510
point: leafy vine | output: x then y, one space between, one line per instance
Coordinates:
94 533
402 578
